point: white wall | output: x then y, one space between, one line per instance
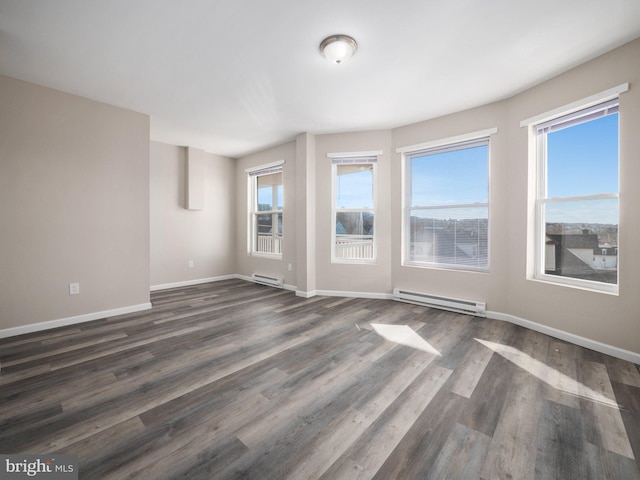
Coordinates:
207 236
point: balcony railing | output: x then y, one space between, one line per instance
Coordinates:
354 247
269 244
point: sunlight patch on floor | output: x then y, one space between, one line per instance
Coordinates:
404 335
547 374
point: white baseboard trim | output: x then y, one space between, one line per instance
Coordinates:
569 337
303 294
61 322
337 293
188 283
553 332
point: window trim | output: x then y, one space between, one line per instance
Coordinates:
539 126
355 158
447 141
252 198
467 140
572 107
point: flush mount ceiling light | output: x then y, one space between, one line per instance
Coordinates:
338 48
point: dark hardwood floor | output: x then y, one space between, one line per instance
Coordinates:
234 380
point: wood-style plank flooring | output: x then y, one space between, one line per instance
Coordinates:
235 380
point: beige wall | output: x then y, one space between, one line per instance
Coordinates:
74 191
247 264
74 205
369 278
305 214
610 319
178 235
490 287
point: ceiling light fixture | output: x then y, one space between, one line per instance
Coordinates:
338 48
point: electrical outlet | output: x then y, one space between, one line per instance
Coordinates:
74 288
190 263
290 267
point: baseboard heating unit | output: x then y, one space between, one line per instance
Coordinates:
268 280
468 307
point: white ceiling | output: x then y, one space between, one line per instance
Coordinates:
236 76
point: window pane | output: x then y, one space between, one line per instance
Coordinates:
450 178
354 235
354 186
268 241
265 224
583 159
451 236
354 223
269 186
581 240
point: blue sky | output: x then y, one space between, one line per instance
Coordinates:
603 211
265 195
583 160
355 190
458 177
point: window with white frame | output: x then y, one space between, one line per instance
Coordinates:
353 211
577 200
266 212
446 206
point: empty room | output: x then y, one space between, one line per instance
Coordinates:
339 240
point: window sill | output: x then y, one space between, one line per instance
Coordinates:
345 261
272 256
449 268
584 285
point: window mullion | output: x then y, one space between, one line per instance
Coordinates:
452 206
580 198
